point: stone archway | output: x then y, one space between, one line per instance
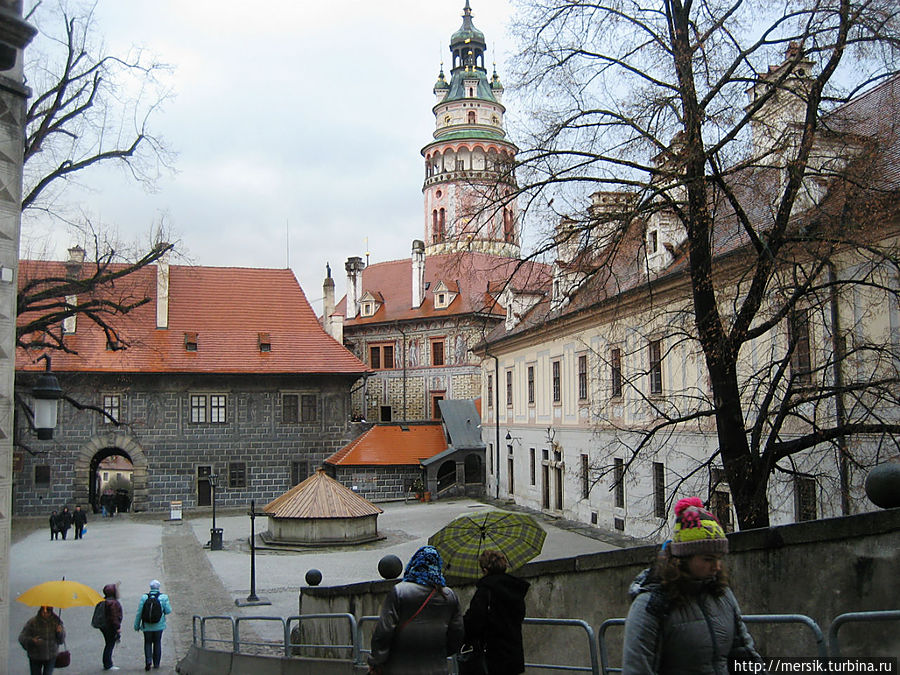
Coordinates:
127 445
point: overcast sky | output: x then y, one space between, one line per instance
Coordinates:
298 127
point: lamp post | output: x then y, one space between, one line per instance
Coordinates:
252 599
46 394
215 534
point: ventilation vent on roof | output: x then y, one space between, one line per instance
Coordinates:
190 342
265 342
404 427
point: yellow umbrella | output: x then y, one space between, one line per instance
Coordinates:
62 594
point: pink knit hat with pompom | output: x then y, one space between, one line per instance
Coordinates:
697 531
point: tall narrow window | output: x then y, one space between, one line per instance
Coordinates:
437 352
471 117
615 372
198 408
655 349
112 406
436 405
585 477
381 357
217 406
510 467
490 391
237 474
805 498
530 385
582 378
801 362
619 481
556 375
308 408
509 230
299 471
290 408
533 466
659 490
509 388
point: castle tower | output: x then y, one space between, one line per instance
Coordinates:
469 166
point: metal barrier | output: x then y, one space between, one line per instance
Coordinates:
840 620
748 618
354 633
203 620
592 644
243 619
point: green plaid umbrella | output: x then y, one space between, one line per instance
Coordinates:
517 535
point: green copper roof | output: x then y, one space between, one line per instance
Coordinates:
458 91
471 133
467 32
441 82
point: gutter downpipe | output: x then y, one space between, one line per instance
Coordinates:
496 423
840 412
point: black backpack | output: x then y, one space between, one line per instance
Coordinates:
99 618
152 611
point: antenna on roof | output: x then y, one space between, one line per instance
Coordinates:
367 251
287 243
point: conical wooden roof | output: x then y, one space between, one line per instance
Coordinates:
320 496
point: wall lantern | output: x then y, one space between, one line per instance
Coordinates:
46 394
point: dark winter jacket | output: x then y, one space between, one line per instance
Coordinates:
695 637
79 518
420 647
113 609
63 521
494 620
41 637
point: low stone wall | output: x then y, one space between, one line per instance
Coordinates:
820 569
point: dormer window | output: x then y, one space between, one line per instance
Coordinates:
265 342
190 342
443 295
370 303
368 308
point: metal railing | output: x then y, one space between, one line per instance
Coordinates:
202 620
841 619
354 634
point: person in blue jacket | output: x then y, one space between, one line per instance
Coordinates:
152 631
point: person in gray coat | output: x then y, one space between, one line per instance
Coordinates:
420 623
684 618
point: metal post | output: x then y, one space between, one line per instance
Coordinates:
252 597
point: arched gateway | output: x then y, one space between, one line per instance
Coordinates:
106 445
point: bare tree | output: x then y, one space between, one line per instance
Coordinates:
724 131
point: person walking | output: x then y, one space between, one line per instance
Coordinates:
54 525
420 624
112 626
151 618
64 521
79 520
493 621
40 638
684 617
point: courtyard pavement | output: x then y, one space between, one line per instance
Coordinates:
133 549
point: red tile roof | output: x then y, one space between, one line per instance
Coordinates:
470 273
392 445
227 307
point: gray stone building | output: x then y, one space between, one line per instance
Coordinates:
227 379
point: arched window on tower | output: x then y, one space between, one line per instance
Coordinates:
509 231
440 230
471 117
434 223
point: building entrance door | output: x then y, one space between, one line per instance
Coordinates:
204 488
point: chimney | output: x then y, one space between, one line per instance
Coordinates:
162 291
354 267
74 263
328 302
337 327
418 273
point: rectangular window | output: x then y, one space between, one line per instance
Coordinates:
42 474
385 413
237 474
585 477
381 357
308 408
112 406
557 381
582 378
659 490
217 404
299 471
290 408
530 385
619 481
798 334
510 467
533 467
191 342
490 391
655 349
805 498
615 372
436 406
509 388
437 352
198 408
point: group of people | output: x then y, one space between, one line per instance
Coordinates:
44 634
65 519
684 618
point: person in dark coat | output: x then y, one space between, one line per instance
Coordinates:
64 521
420 623
684 619
495 615
40 638
79 520
112 631
54 525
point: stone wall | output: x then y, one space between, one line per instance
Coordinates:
820 569
377 483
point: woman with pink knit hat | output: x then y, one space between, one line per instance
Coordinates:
684 617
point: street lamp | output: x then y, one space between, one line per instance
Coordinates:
215 534
46 393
